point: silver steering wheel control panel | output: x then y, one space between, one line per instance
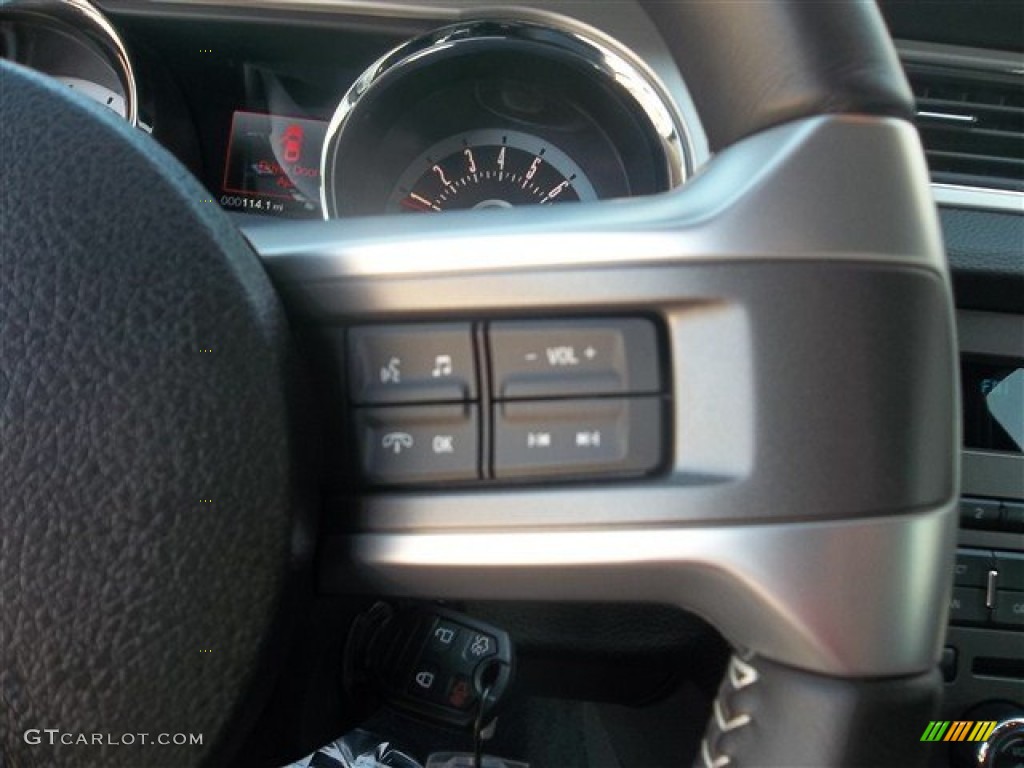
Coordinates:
507 400
739 421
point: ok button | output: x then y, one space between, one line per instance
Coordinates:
419 444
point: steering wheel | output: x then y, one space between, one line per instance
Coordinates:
157 488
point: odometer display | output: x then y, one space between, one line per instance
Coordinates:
489 169
273 165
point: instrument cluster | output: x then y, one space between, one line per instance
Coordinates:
487 113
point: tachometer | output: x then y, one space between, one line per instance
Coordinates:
489 169
495 114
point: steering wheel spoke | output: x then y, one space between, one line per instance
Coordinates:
779 516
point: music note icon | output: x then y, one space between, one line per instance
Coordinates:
442 366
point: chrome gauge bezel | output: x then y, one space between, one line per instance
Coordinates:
602 57
85 19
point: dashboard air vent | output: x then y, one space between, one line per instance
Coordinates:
972 125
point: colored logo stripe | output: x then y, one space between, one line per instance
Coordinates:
935 730
982 730
959 730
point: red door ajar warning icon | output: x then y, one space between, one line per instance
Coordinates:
291 143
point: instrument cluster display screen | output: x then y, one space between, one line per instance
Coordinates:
273 165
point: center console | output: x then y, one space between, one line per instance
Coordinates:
983 660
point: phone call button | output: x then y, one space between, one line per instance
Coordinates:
419 444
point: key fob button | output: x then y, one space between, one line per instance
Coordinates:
425 680
460 693
445 637
478 647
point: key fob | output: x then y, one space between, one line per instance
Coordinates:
441 665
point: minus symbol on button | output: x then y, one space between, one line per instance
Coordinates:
531 357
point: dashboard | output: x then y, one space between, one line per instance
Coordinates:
318 120
312 111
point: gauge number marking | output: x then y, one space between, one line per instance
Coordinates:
489 168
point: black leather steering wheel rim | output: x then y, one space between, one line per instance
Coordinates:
781 61
151 506
753 65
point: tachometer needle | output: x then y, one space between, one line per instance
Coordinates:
416 203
